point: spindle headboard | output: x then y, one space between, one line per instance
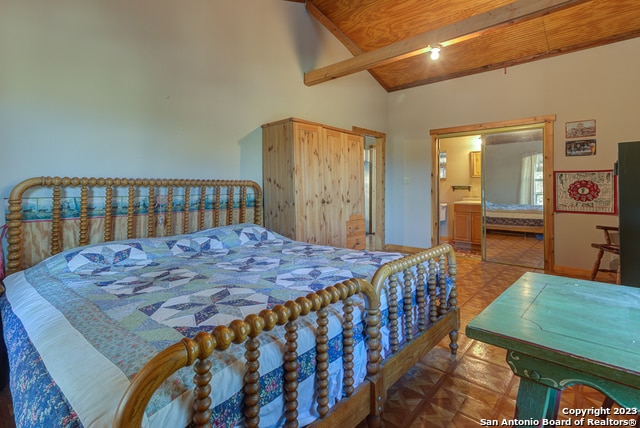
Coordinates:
50 214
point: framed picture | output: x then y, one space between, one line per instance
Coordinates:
583 128
580 148
476 164
586 192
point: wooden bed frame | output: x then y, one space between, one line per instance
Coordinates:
191 205
518 229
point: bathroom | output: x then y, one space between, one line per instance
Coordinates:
457 180
495 210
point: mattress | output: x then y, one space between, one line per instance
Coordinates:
79 325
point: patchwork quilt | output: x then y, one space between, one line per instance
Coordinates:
79 325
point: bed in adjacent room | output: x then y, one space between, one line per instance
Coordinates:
166 302
514 218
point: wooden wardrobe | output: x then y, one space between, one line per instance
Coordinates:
313 182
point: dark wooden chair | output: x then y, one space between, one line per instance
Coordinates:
607 247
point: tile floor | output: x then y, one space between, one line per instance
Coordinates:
523 249
447 391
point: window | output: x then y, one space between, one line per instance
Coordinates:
531 179
538 180
442 164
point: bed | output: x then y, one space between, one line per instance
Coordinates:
514 218
140 302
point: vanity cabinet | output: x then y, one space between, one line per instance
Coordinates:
313 183
467 223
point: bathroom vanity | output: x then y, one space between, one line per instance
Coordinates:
467 222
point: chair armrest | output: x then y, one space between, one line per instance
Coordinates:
607 228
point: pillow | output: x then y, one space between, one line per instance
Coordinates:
105 256
244 234
189 246
257 236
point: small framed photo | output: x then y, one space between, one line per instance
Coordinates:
580 129
580 148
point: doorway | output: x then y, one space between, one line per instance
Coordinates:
513 197
374 158
502 148
370 189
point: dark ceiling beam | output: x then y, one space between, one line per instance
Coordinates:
518 11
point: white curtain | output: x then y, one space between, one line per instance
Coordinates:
527 174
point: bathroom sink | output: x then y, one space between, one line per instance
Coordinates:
469 200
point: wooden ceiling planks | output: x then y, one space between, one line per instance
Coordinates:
375 24
474 26
366 26
506 46
594 23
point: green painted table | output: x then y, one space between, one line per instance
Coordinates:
561 331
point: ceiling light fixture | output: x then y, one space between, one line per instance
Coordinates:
435 52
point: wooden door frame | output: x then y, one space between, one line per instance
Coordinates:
548 122
380 144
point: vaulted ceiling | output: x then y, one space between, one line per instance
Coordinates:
391 39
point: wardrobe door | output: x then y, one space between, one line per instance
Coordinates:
310 194
344 187
334 211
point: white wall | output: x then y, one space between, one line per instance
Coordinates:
600 83
161 88
504 165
